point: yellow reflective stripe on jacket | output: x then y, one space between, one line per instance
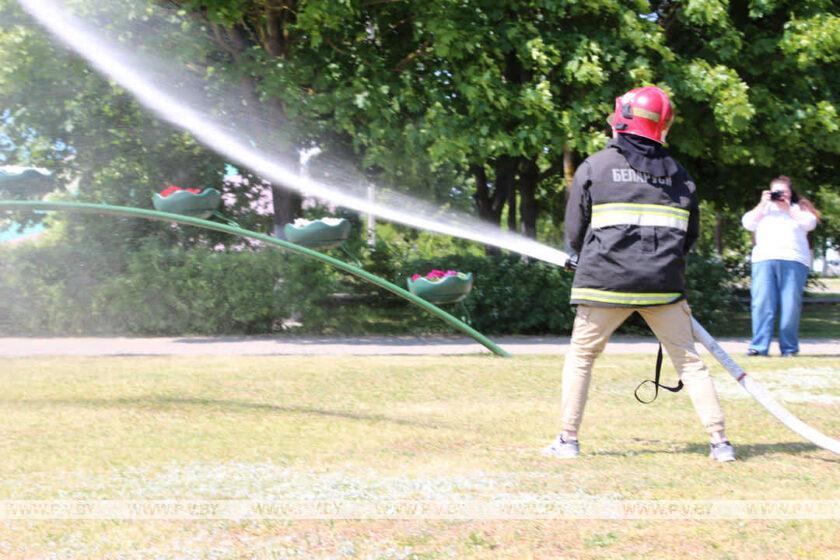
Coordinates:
616 218
626 298
634 206
612 214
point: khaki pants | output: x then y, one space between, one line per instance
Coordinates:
672 326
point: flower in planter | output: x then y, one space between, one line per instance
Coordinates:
195 202
171 189
321 233
441 286
301 222
436 275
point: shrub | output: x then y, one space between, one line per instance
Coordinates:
166 289
510 295
712 286
66 289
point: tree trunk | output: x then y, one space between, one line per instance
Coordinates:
491 196
529 178
511 217
287 206
483 197
484 201
568 175
287 203
505 169
568 167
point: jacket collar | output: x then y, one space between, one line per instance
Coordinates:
645 155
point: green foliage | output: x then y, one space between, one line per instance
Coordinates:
67 289
736 241
756 95
510 295
51 289
827 234
160 289
813 41
171 291
88 131
515 296
421 95
712 285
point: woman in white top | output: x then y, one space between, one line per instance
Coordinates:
781 259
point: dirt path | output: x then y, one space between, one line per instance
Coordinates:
364 346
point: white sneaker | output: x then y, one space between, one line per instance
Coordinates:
562 448
722 452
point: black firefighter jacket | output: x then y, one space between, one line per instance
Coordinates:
631 231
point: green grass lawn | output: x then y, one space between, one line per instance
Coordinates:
818 321
399 428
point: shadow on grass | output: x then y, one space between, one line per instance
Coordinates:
746 451
224 405
743 451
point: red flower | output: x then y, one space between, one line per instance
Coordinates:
435 274
173 189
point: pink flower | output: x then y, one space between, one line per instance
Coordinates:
435 275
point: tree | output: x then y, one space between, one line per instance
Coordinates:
492 104
756 90
827 234
500 91
93 136
254 36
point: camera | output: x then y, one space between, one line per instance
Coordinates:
777 195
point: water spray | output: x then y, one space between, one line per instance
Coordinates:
114 62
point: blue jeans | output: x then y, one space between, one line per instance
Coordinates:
777 284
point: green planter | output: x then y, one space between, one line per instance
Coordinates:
27 181
449 289
200 205
323 234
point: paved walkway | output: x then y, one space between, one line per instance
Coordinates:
326 346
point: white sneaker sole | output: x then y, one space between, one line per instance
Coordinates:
723 459
555 454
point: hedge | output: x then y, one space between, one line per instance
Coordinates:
67 289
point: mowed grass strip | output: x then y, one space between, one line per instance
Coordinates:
110 428
422 415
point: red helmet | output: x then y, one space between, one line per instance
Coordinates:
645 111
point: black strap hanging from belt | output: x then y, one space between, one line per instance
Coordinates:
656 381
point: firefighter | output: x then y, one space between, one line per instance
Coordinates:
631 218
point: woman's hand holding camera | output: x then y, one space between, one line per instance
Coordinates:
781 198
765 199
